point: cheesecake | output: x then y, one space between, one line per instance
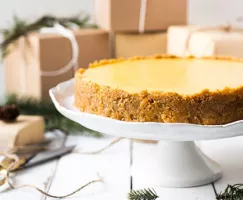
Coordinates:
165 89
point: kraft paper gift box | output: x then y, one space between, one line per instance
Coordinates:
25 130
204 41
129 45
132 15
39 52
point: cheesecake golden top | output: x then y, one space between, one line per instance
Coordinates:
185 76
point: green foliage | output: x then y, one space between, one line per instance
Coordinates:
232 192
45 108
21 27
144 194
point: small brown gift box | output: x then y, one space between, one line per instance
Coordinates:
24 131
39 52
205 41
129 15
129 45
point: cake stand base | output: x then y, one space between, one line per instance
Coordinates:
178 164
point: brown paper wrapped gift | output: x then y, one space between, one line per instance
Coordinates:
129 45
49 52
24 131
129 15
205 41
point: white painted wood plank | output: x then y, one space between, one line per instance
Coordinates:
75 170
139 158
228 153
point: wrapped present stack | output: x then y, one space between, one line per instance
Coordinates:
41 59
139 26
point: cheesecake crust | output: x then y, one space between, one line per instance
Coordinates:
206 108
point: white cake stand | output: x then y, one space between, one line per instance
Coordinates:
176 161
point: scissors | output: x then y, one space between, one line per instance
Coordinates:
27 160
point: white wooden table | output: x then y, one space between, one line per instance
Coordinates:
114 165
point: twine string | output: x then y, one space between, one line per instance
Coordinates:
16 162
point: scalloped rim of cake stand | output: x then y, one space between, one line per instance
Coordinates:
63 96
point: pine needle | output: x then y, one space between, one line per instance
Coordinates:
232 192
144 194
53 119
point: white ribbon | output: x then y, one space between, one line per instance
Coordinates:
142 16
73 63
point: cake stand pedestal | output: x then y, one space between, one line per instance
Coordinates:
178 164
176 161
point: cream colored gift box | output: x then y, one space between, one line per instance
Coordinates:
129 45
204 41
25 130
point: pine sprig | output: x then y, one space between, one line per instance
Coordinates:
53 119
232 192
144 194
21 27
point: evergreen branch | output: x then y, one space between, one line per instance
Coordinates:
144 194
232 192
23 28
53 119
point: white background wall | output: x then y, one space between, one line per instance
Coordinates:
205 12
